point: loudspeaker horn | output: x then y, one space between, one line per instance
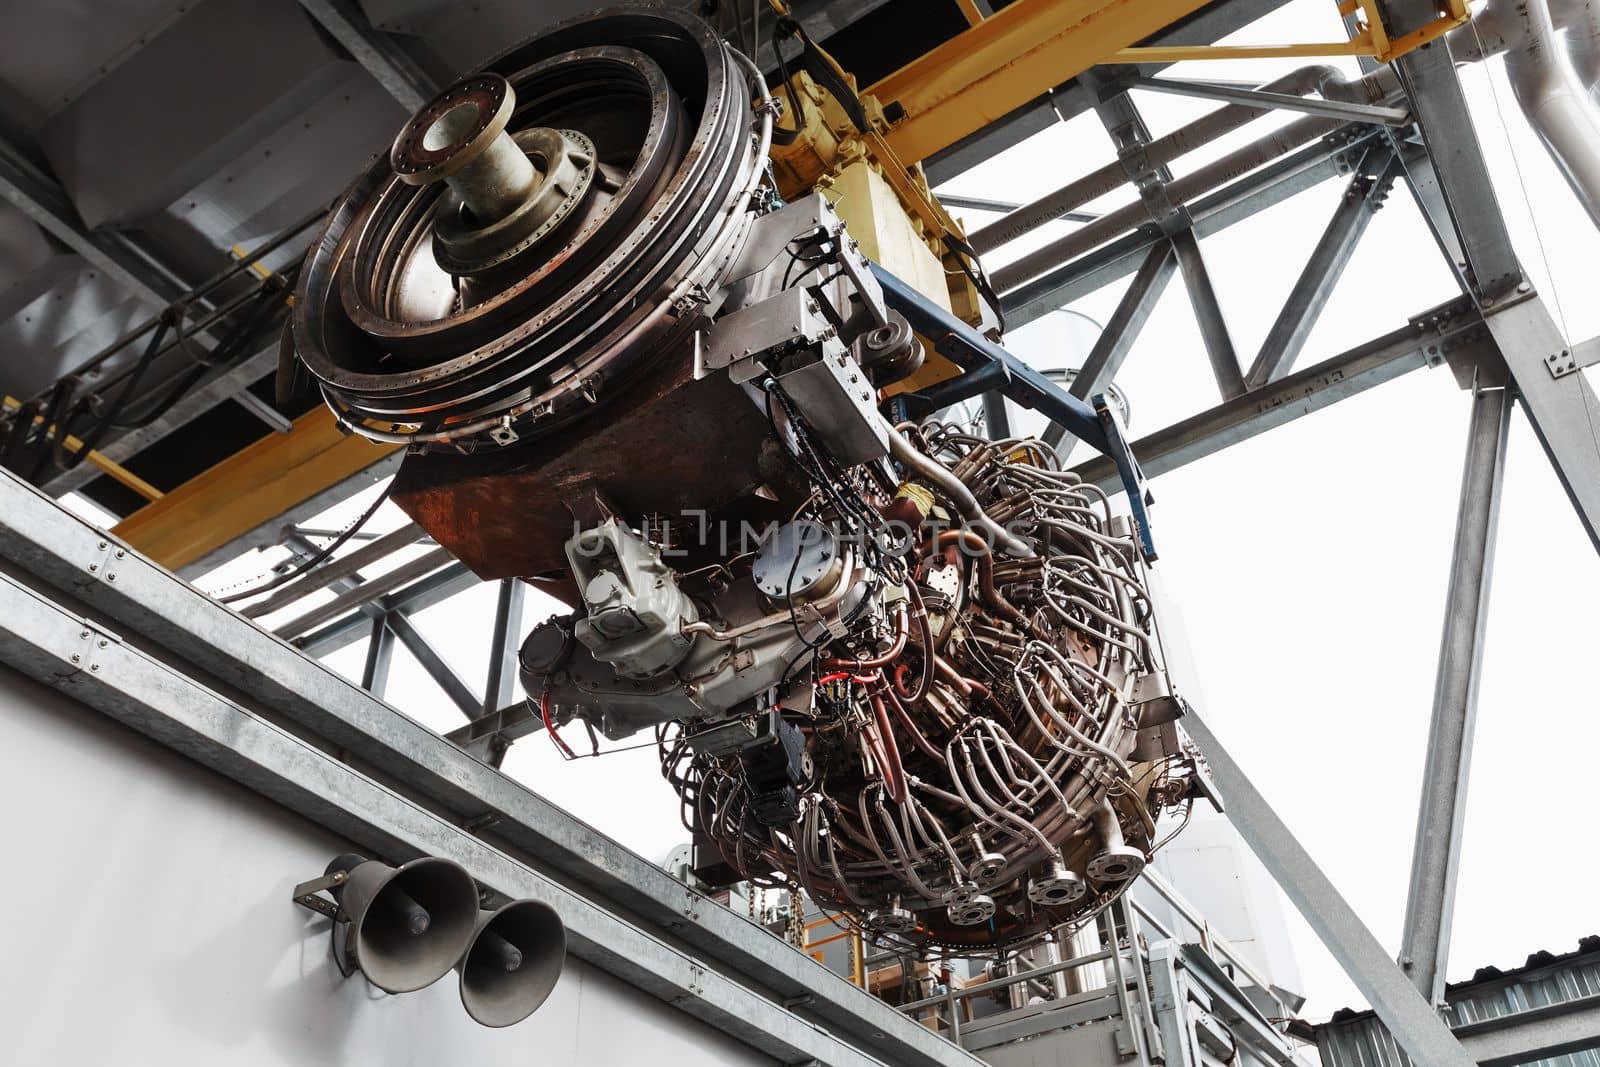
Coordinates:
407 925
512 962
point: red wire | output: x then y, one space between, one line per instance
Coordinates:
550 727
836 676
894 775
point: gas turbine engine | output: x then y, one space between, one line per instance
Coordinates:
907 670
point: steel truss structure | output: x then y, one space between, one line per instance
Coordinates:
1497 337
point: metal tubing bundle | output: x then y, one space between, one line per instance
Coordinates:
973 784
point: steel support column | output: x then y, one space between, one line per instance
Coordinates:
501 688
1208 315
1435 859
1423 183
1559 401
380 653
996 420
1429 77
1116 340
460 693
1409 1018
1362 199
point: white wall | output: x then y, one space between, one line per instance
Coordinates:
145 919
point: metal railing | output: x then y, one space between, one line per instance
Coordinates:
1127 930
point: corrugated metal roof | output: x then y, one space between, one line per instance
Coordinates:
1547 980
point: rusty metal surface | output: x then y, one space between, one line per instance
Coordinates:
669 445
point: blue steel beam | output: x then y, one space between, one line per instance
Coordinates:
999 371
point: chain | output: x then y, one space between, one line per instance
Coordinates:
797 929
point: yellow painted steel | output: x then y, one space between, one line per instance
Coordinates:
1372 27
97 459
259 269
1370 39
888 206
879 224
1008 59
1185 53
248 489
970 11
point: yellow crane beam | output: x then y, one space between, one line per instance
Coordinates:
249 489
1001 62
1007 59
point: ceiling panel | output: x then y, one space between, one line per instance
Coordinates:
223 77
50 53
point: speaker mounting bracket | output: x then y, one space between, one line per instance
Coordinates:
305 894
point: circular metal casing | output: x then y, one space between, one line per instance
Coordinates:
974 912
798 561
891 920
1056 885
986 868
497 350
1119 863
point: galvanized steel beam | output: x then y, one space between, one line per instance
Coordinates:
1423 343
501 687
380 656
460 693
1435 858
1243 199
1409 1017
1208 316
387 582
1112 347
1560 404
1362 199
1268 101
1423 184
1117 338
436 588
1434 89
